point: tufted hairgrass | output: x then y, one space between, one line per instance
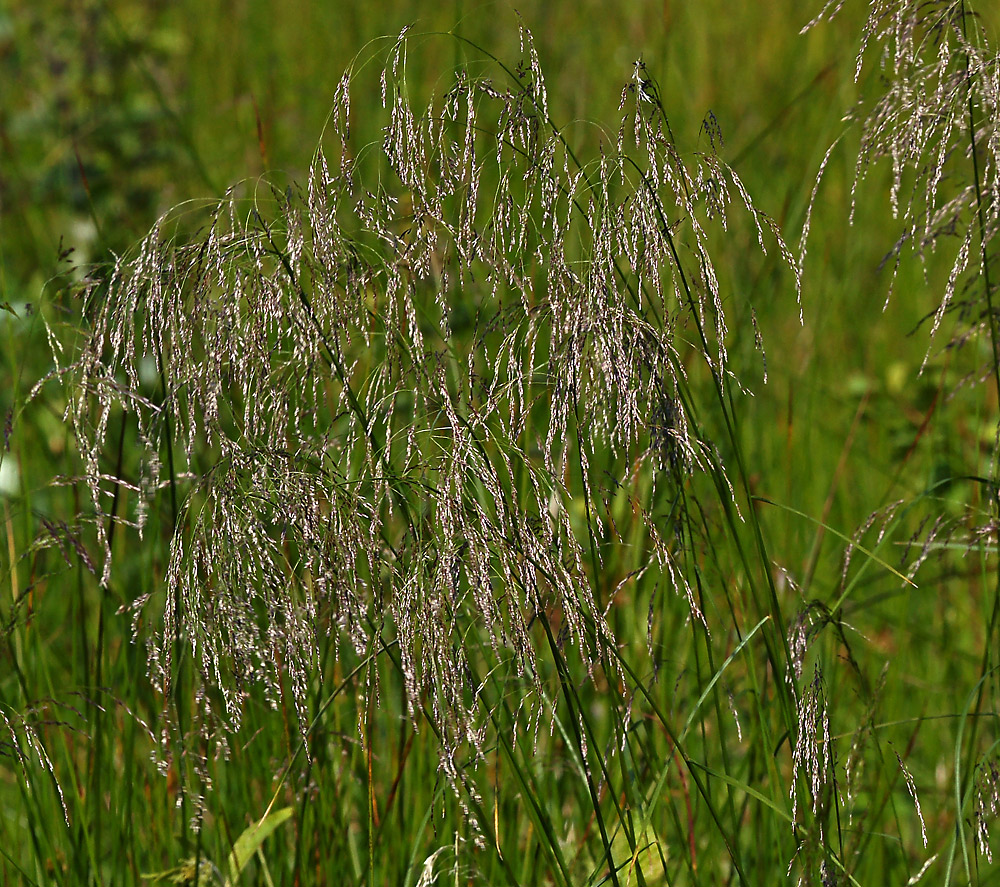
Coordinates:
427 514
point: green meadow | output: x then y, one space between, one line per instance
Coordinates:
491 446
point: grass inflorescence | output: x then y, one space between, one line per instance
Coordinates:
421 517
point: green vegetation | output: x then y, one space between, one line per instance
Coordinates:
466 468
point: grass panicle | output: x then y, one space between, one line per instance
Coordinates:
435 512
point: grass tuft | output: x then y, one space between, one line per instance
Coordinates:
436 513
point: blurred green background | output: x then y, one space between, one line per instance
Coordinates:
114 112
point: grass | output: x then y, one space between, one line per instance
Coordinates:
419 509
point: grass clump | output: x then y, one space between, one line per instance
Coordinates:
432 493
370 469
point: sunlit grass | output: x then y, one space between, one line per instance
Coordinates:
731 666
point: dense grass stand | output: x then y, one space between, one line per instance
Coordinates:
434 516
